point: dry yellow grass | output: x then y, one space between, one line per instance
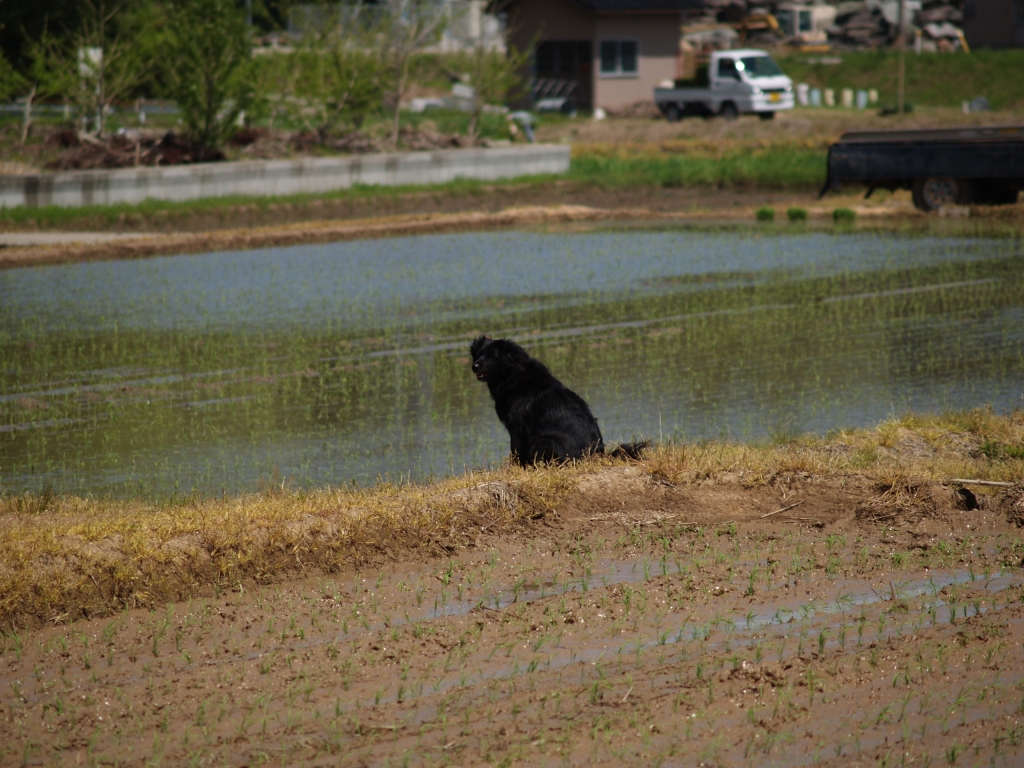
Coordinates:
65 557
978 444
698 147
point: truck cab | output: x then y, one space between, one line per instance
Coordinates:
735 82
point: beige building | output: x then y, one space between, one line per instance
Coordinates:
599 53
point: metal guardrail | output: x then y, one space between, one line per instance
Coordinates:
150 108
552 87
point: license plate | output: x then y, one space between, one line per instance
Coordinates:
773 98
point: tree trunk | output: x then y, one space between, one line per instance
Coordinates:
399 88
26 123
402 57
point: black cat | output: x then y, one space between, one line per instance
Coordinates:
546 420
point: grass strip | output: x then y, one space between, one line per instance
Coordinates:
68 557
162 210
768 167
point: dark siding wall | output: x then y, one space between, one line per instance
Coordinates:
994 23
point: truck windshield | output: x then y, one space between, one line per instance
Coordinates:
759 66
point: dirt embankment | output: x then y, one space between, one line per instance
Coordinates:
711 604
294 234
640 207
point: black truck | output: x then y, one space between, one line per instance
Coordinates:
943 166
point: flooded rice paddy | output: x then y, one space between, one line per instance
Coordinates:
331 364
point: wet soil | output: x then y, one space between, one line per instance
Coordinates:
805 621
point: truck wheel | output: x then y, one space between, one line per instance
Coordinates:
932 194
672 113
728 111
766 115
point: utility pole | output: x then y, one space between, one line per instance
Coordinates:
901 87
248 12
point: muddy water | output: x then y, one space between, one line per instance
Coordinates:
343 363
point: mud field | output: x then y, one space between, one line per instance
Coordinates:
645 621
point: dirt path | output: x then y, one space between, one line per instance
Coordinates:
643 622
644 205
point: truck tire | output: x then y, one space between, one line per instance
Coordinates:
766 115
672 113
932 194
728 111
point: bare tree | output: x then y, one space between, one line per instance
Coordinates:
352 73
408 27
494 71
48 75
279 79
94 65
12 83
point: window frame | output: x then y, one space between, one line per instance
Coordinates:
733 74
618 73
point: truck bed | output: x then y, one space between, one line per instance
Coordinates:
685 93
987 160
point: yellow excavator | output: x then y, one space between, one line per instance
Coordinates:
757 22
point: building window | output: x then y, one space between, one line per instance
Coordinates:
620 58
1018 8
560 58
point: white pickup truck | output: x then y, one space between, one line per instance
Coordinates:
733 83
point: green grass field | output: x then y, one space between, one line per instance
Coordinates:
939 80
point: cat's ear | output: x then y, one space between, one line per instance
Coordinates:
478 344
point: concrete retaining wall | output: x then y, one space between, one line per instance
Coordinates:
277 177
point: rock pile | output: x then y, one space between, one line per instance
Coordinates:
80 151
354 142
875 23
425 139
857 24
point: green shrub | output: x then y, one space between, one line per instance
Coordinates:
843 216
797 214
209 68
765 213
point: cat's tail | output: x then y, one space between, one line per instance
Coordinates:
633 451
